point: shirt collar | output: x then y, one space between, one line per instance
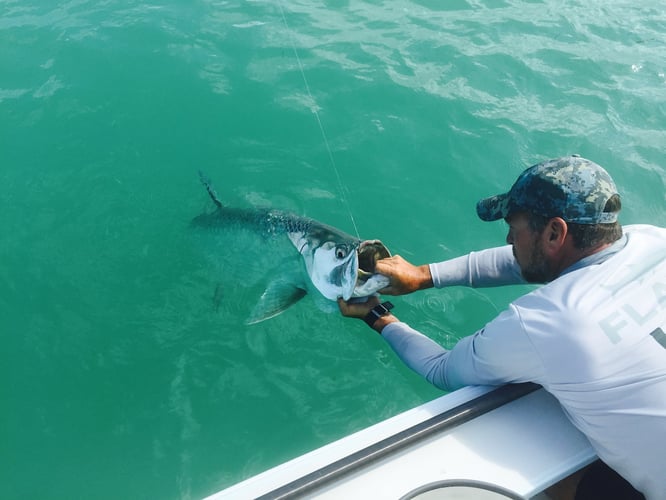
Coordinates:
599 257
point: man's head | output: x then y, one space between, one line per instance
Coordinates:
570 187
558 211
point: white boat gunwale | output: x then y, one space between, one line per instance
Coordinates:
448 419
480 444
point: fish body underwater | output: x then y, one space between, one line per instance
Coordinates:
295 255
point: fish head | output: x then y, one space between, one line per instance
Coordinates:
334 268
331 260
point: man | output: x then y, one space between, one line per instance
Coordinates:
594 335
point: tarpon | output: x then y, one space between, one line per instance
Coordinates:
330 256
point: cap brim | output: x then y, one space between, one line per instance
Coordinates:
493 208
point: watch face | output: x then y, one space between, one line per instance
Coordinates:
385 307
377 312
381 309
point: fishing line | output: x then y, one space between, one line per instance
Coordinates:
321 126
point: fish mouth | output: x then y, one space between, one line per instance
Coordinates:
367 281
369 252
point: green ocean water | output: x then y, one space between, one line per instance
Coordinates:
121 376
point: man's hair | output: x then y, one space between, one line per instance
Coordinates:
586 235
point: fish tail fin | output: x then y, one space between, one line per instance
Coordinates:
205 180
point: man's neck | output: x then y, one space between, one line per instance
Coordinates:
578 258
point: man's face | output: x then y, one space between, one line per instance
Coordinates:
527 249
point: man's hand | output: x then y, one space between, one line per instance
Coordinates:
404 277
361 309
357 309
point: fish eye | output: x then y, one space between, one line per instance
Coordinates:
340 252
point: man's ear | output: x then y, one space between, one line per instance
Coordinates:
554 234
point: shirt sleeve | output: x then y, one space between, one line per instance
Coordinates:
486 268
498 354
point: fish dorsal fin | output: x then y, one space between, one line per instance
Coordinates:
278 296
205 180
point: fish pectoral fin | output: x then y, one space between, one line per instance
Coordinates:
278 296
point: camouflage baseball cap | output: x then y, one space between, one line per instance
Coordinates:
570 187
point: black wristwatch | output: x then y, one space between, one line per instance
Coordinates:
377 312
